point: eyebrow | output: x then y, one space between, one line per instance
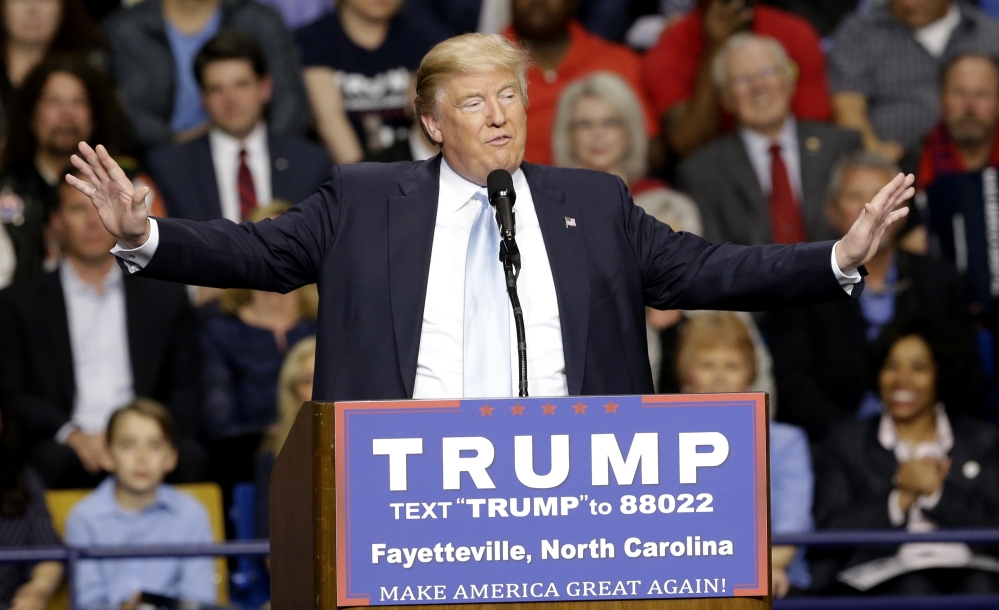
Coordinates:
506 85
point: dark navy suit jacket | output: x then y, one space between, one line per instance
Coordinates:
366 238
185 174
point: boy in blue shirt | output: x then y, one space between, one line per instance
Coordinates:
135 507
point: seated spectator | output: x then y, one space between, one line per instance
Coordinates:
776 167
819 350
240 162
916 467
242 351
359 64
561 52
133 507
884 64
60 103
294 388
154 45
716 354
966 138
30 32
81 341
678 71
24 522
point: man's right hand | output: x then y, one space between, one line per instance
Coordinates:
722 19
122 208
91 450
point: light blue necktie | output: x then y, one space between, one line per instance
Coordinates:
486 371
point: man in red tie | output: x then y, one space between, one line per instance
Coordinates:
765 183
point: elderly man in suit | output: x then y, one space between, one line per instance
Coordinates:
405 254
239 164
774 170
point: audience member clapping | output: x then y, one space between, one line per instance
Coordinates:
966 138
678 71
242 351
33 30
359 64
61 103
294 389
83 340
562 51
916 467
819 350
767 182
154 45
24 522
883 67
716 354
240 162
134 507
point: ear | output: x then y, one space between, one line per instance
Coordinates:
171 462
832 212
433 127
725 97
266 88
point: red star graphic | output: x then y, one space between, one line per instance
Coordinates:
486 410
517 409
611 407
579 408
549 409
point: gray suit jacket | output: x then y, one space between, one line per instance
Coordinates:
721 180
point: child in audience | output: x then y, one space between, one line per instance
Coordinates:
134 507
716 354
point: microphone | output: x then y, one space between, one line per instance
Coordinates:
499 186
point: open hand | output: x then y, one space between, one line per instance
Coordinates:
122 208
860 244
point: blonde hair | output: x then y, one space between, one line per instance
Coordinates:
711 330
288 404
232 299
461 55
618 94
719 69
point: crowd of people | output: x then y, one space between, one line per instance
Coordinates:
753 122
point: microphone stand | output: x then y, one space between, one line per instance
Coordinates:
509 255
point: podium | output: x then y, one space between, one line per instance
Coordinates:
304 542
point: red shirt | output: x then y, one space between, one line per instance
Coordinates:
587 53
670 68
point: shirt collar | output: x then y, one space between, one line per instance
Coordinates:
255 142
107 502
760 144
939 447
459 191
73 283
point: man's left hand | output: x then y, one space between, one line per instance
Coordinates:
860 244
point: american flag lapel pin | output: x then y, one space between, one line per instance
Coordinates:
570 222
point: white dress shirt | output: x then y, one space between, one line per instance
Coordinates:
439 364
440 360
225 158
758 149
98 336
935 36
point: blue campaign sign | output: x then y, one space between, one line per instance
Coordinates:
551 499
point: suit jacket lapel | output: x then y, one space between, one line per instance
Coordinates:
53 307
137 312
566 247
281 179
756 204
204 170
412 217
813 182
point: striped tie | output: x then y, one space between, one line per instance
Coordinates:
247 193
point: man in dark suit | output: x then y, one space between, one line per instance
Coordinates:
398 250
239 164
772 188
819 351
84 340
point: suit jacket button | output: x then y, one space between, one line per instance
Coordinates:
281 164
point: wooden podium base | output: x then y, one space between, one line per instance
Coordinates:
303 534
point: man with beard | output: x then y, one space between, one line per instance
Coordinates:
61 102
966 138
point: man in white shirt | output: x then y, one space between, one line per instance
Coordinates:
86 339
773 189
395 249
239 165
